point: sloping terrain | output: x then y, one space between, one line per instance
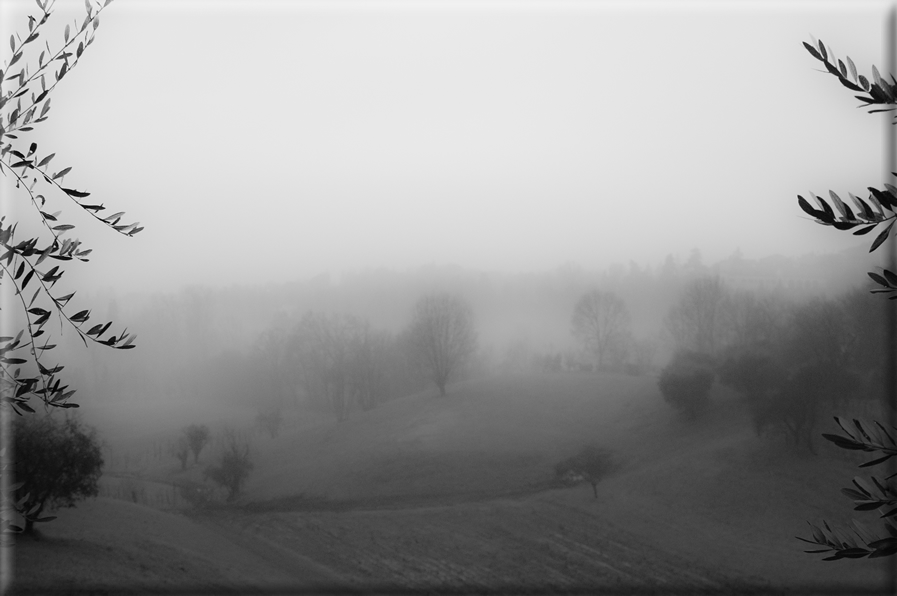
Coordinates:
109 546
457 494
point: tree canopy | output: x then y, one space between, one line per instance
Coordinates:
57 462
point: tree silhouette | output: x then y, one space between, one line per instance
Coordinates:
698 322
601 323
57 463
442 335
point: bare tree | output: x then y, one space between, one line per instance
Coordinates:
323 345
601 322
370 365
698 321
442 335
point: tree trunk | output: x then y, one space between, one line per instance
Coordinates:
29 521
441 389
595 489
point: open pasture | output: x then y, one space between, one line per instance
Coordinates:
457 493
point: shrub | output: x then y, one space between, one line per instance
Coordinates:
685 383
234 466
57 463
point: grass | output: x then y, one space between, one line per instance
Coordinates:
458 491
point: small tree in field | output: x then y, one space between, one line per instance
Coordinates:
685 383
442 336
57 463
197 437
233 467
592 464
877 212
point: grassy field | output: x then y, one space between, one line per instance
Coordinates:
456 493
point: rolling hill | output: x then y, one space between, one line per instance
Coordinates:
457 492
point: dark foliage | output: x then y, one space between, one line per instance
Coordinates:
233 467
57 463
685 383
592 464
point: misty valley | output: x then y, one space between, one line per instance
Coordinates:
647 429
447 298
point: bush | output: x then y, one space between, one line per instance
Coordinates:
234 468
685 383
592 463
57 463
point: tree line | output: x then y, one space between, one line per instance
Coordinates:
793 362
340 362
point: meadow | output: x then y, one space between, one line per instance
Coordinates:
458 494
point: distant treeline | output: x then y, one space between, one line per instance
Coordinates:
201 342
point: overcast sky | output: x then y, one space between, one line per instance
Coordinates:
273 141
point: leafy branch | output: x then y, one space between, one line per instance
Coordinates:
876 92
867 495
879 210
872 493
23 373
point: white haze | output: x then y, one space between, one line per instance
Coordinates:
262 142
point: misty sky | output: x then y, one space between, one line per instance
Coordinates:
273 141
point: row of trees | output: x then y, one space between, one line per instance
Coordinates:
232 462
340 362
791 362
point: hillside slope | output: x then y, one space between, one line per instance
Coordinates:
710 492
106 545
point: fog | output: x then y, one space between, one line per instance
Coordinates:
291 139
310 174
